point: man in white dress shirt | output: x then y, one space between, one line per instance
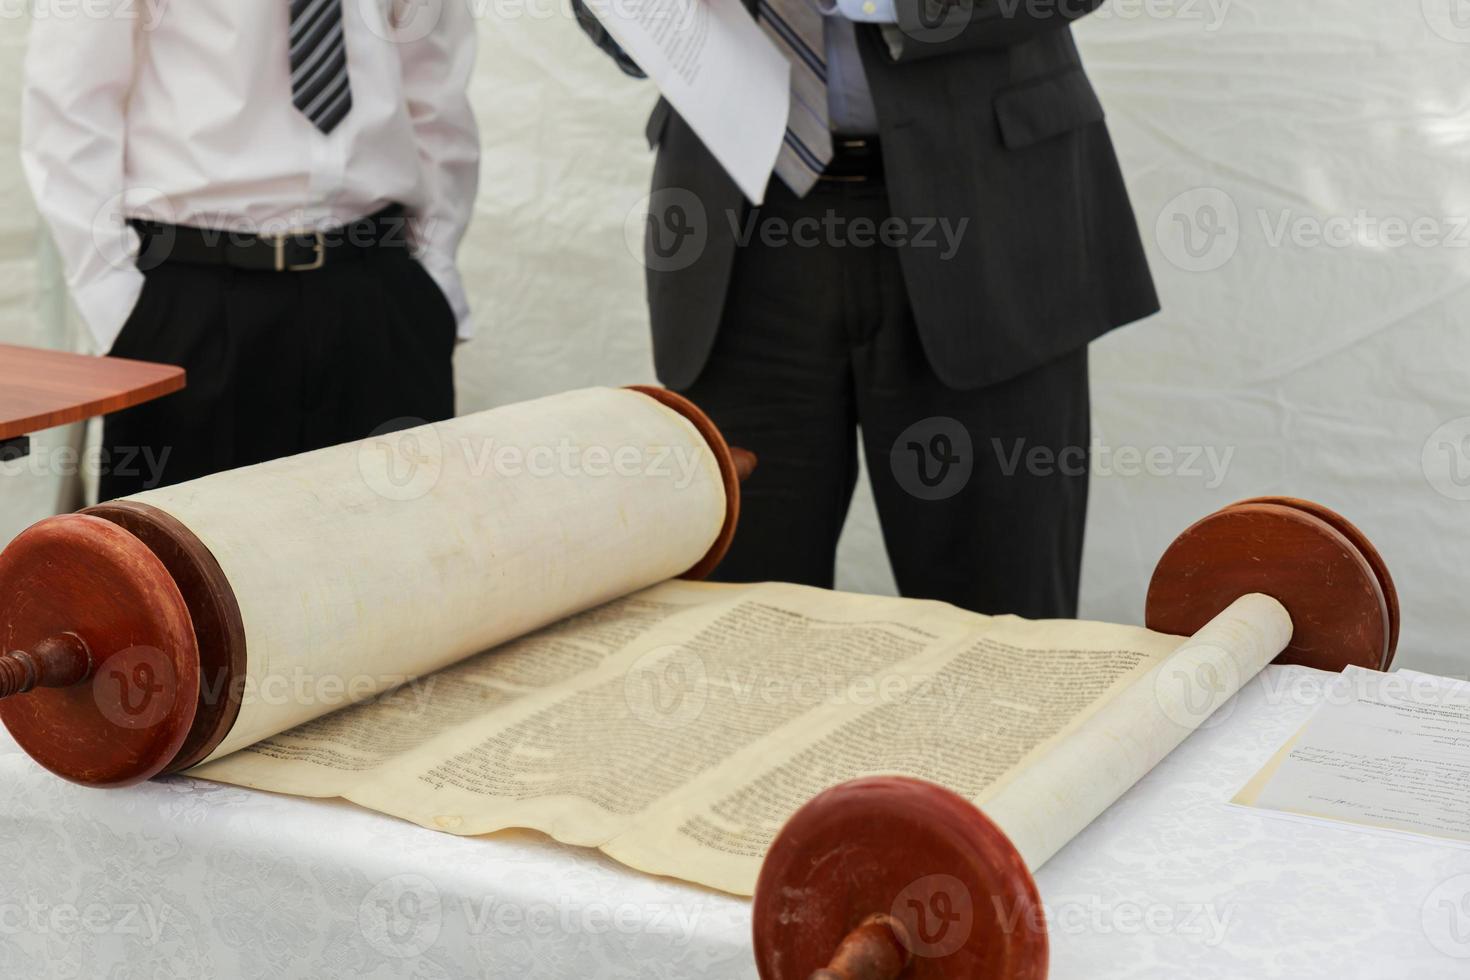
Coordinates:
270 194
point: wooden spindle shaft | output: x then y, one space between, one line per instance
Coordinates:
745 462
57 661
878 949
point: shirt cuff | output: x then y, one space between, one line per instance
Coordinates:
868 11
106 304
446 277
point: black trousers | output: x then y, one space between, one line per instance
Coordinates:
278 364
982 494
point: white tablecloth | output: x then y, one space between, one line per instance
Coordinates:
183 878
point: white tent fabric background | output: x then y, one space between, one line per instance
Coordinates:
1301 171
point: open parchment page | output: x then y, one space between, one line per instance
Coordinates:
1390 751
678 728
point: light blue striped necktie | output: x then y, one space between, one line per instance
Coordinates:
797 28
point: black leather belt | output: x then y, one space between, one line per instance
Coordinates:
293 251
855 160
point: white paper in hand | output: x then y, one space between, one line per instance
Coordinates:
716 67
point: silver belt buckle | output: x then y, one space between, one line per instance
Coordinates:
319 249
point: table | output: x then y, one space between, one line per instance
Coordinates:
44 388
184 878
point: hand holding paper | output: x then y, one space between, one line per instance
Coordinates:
717 68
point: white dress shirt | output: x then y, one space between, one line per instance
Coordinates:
182 113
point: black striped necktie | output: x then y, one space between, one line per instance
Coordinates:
797 28
319 84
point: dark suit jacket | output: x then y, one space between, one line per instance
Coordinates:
989 118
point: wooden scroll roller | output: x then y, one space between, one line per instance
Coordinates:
890 877
131 632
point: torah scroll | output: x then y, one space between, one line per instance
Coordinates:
191 621
472 625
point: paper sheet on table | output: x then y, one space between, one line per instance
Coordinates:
717 68
1388 751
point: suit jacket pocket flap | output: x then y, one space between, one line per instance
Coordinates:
1039 110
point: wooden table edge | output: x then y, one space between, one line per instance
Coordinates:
170 379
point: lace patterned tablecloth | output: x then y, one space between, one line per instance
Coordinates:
183 878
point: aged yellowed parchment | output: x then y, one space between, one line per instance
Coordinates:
678 728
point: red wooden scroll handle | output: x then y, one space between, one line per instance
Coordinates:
100 674
736 466
1343 604
889 877
745 462
904 879
878 949
57 661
